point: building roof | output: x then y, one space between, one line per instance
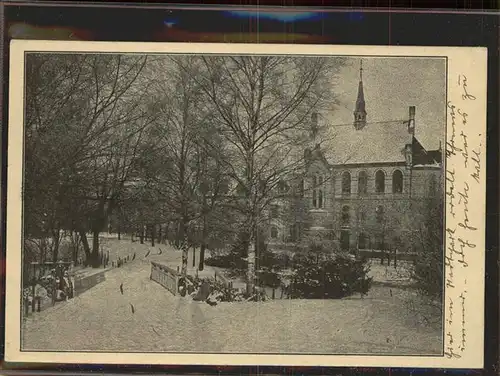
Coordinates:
422 157
382 142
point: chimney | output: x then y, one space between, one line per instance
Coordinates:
411 120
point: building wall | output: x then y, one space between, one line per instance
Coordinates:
370 219
320 216
358 215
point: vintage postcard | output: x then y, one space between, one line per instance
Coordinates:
245 204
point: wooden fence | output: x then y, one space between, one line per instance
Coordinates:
165 276
82 284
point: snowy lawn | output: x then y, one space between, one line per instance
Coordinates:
102 319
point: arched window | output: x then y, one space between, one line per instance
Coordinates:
362 241
314 192
362 183
379 211
397 182
320 192
318 198
346 183
274 211
345 216
396 242
361 215
379 181
274 232
380 242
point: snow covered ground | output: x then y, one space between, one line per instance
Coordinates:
102 319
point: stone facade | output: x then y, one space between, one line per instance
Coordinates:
372 193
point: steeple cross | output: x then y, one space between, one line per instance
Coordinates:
361 70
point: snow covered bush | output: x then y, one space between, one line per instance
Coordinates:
324 276
216 288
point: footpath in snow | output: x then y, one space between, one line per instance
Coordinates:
147 318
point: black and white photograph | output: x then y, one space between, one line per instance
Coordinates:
241 202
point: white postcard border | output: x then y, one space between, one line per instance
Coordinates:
464 294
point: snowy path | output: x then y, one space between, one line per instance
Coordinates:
101 319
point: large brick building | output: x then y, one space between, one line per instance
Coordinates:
368 193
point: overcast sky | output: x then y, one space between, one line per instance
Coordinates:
391 85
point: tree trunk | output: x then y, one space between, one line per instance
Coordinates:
251 267
201 264
55 245
76 245
153 235
95 261
159 234
194 256
184 247
251 245
86 247
249 251
141 235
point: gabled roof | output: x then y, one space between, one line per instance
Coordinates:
382 142
424 157
316 154
436 155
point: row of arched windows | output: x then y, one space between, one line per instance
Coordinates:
397 182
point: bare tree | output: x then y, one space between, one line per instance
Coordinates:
263 105
87 115
183 164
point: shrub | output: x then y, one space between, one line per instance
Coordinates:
268 277
229 260
328 276
224 293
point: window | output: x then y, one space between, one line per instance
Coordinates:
282 187
361 215
301 188
320 192
362 241
362 183
397 182
345 239
379 211
380 242
345 216
314 192
274 232
317 192
380 182
346 183
274 211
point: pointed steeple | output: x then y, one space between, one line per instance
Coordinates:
360 109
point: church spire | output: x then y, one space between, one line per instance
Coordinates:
360 111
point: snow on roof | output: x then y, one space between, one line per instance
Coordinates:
436 165
382 142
